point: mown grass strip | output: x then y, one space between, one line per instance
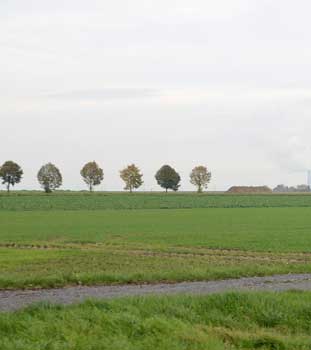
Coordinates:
57 267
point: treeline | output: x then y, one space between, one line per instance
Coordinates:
50 177
291 189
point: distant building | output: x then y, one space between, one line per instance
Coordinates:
309 178
285 189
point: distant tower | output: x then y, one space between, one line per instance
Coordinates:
309 178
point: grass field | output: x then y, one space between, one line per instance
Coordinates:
217 322
55 248
257 229
101 200
74 239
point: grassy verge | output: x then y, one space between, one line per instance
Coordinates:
217 322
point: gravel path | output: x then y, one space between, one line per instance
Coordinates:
14 300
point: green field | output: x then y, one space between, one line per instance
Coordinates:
101 200
218 322
256 229
77 238
45 248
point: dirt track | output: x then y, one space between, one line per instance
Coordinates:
14 300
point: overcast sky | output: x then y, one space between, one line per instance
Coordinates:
222 83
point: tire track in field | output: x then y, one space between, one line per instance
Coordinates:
17 299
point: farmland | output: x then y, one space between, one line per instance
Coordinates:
153 240
80 239
48 247
62 200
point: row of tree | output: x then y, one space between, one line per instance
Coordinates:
288 189
50 178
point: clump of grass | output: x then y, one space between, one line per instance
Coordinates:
228 321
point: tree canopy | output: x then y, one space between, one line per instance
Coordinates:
49 177
92 174
200 177
132 177
168 178
10 173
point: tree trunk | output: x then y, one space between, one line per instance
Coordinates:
91 188
8 187
166 190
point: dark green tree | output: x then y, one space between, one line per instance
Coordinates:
10 173
49 177
168 178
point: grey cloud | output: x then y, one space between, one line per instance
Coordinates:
223 83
